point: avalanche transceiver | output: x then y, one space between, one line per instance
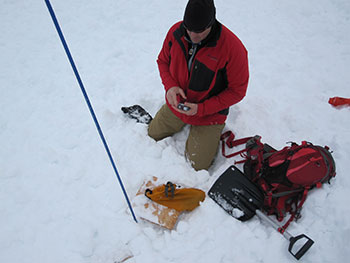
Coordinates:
182 106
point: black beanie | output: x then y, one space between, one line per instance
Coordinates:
199 15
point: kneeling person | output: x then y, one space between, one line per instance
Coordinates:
203 66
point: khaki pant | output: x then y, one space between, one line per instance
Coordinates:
202 142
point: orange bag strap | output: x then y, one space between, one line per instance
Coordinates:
171 186
168 186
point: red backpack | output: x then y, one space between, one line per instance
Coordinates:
285 176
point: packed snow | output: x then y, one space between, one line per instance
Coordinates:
60 200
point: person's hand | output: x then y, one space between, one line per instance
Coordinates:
172 97
172 94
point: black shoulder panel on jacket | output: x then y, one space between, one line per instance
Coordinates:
178 33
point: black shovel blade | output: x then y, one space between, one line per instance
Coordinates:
236 194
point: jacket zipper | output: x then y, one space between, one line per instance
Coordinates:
192 53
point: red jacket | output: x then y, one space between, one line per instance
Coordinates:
218 77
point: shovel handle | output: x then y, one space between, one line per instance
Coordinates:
288 236
304 248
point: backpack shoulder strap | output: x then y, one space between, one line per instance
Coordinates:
228 139
295 214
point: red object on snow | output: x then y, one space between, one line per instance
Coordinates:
338 101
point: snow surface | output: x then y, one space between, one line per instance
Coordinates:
59 198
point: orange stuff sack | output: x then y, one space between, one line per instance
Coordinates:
172 196
338 101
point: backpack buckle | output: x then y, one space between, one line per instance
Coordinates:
298 214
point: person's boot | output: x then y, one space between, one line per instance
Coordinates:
138 113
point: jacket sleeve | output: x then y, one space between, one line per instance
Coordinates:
237 77
163 62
